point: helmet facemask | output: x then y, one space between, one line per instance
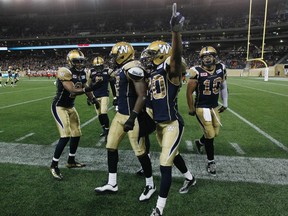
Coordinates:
208 60
112 62
99 68
147 58
76 60
78 64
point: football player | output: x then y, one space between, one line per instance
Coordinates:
16 76
103 76
165 66
0 76
71 82
131 94
10 76
208 80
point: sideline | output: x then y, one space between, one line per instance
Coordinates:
233 169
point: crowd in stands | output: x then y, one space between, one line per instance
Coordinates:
40 61
205 23
86 24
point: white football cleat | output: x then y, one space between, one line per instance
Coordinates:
147 193
107 188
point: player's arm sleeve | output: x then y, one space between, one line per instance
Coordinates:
112 86
65 76
224 88
136 75
191 86
224 93
89 79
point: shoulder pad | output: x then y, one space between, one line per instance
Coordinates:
223 66
64 74
193 73
135 73
131 64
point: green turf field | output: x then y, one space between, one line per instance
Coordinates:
254 126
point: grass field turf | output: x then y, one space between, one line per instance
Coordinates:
256 120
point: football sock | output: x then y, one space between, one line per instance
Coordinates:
149 181
104 121
112 179
209 147
146 165
202 140
54 162
180 163
112 161
166 180
147 144
60 147
71 158
188 175
74 141
161 202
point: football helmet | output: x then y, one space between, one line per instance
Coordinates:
211 54
155 54
76 60
98 63
121 53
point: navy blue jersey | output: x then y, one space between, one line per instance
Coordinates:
102 88
163 96
16 75
209 84
63 97
10 73
126 93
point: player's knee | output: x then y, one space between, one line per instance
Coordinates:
210 134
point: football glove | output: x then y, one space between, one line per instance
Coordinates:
193 113
177 20
222 109
89 102
129 124
115 103
95 102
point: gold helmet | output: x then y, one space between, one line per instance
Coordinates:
76 60
121 53
155 54
10 68
208 51
98 63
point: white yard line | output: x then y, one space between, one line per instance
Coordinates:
100 142
276 142
25 102
24 137
237 148
260 90
189 145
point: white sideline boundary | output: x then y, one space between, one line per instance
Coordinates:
233 169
